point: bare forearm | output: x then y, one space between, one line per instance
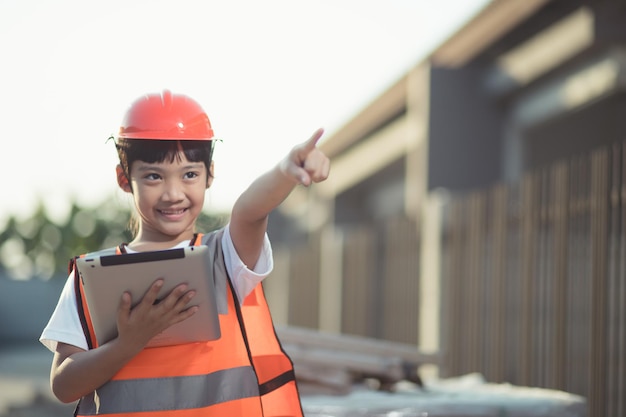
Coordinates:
82 372
76 372
250 213
305 164
262 196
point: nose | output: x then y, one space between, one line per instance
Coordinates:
173 192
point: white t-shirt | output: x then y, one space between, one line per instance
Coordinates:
64 324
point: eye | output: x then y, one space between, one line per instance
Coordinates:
152 176
190 175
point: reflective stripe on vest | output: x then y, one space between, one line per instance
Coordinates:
272 365
177 393
244 373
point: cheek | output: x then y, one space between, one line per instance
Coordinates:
199 194
142 196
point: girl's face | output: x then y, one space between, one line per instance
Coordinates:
168 197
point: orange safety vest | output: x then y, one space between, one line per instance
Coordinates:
245 372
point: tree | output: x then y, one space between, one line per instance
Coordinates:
38 247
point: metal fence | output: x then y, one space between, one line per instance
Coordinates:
534 280
379 282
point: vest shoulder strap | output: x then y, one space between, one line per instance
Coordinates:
212 238
83 314
220 275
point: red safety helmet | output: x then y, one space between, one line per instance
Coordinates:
166 116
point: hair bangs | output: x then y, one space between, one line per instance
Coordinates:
156 151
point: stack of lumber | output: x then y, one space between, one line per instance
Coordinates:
328 363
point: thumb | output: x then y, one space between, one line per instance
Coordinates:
299 174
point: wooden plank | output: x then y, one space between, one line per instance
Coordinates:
357 364
333 363
314 379
317 339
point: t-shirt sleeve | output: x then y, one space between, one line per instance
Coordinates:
64 324
245 279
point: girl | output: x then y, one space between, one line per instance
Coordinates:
165 148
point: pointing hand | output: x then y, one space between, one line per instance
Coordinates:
306 163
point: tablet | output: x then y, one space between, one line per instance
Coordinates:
105 278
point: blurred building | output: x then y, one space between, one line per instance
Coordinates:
476 206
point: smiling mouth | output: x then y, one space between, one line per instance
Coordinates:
172 212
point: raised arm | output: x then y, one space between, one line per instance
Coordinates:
304 164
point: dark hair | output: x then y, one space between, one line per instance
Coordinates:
151 151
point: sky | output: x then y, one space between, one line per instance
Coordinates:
268 74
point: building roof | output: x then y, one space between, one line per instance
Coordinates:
495 19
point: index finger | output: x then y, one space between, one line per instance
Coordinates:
310 144
151 295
